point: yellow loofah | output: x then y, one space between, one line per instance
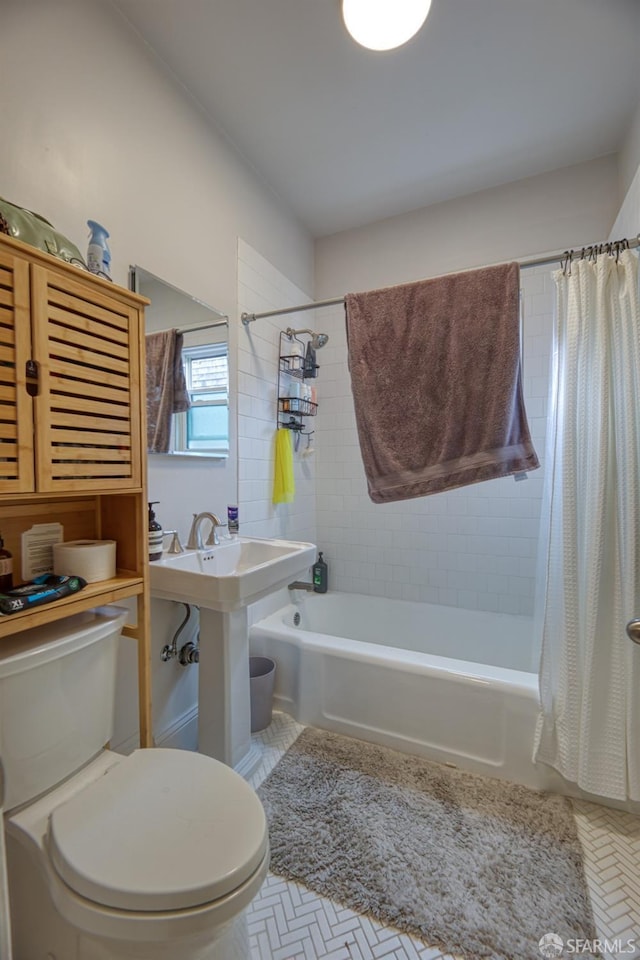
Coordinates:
284 485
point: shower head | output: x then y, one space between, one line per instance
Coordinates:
318 340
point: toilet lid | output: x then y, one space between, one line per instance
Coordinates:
162 830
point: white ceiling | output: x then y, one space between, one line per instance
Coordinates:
488 92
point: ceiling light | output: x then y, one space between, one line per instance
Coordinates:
384 24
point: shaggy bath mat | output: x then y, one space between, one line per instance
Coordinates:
474 866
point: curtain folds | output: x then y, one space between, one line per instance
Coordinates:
166 387
589 726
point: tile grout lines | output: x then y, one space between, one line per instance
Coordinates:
288 922
611 846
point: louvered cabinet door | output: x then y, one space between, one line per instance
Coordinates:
16 406
86 343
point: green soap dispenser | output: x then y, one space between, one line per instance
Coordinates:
320 575
155 534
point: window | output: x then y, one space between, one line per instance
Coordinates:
205 426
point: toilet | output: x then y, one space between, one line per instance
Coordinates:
149 856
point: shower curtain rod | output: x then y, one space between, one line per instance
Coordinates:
196 327
248 318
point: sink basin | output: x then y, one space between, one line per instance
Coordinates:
231 575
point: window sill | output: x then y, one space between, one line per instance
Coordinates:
194 454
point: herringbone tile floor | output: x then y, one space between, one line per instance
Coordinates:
611 845
289 922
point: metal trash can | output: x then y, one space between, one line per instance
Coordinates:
262 678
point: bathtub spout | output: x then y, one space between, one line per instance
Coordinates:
301 585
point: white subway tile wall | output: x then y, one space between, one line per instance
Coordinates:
261 287
473 547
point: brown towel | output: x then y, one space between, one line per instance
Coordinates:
166 387
435 374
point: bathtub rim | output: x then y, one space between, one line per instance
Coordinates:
547 779
468 672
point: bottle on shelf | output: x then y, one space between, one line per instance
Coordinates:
296 356
295 393
98 253
155 534
6 568
310 368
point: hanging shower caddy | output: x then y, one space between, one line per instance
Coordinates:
294 403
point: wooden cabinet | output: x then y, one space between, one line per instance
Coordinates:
72 439
81 431
16 407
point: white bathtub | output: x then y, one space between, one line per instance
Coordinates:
456 686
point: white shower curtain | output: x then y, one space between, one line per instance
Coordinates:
589 726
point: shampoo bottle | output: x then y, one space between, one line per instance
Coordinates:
155 534
6 568
320 575
310 368
98 253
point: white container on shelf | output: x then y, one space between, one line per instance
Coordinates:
94 560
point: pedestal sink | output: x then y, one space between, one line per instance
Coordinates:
222 581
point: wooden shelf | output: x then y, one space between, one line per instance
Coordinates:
93 595
72 438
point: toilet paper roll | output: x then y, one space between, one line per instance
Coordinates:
92 559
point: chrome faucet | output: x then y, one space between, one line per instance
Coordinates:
175 546
195 534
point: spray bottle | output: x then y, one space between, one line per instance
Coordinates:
98 253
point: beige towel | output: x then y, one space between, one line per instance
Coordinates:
435 374
166 387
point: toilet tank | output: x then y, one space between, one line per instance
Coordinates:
57 686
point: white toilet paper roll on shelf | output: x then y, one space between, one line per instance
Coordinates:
91 559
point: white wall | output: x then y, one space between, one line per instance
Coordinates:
628 220
262 287
565 208
629 159
476 546
93 127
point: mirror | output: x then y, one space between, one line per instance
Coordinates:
203 429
